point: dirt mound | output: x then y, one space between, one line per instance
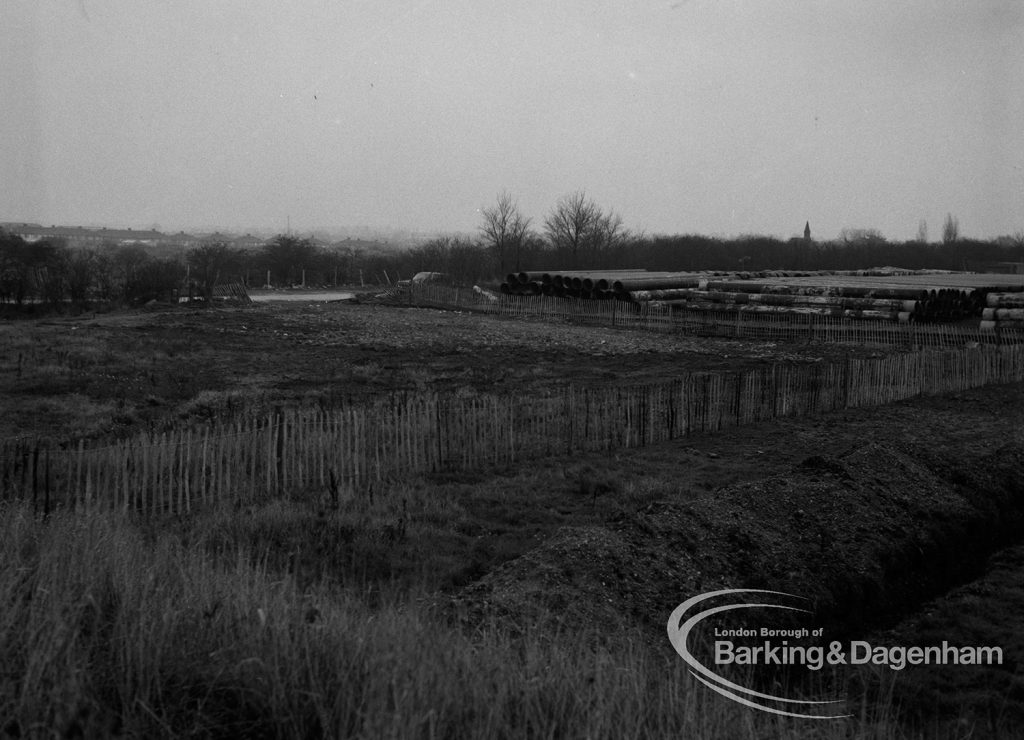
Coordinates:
865 536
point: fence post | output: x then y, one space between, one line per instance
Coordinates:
46 486
846 382
35 476
571 417
79 503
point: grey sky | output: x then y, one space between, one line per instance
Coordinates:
706 116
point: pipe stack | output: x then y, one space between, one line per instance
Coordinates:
887 293
592 284
1003 311
830 296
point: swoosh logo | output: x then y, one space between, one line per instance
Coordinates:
679 632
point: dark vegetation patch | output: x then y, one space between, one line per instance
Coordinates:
981 700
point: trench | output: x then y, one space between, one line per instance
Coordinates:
878 538
980 512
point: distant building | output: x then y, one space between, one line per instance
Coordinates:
215 238
807 231
181 240
247 242
82 236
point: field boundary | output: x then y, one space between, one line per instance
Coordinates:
727 324
340 450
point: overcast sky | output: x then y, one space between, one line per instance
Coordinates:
694 116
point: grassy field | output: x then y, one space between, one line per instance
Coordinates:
112 630
112 374
412 609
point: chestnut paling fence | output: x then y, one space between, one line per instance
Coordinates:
731 324
313 449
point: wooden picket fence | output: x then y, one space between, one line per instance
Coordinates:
344 449
727 324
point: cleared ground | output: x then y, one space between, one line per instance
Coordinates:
99 375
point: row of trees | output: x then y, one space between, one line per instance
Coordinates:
472 262
286 260
576 233
579 233
50 272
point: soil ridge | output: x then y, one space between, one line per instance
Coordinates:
866 536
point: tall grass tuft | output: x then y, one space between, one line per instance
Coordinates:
107 630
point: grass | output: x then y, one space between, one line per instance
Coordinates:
182 363
330 616
113 630
434 532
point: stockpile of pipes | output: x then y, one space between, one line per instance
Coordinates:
592 284
828 298
1003 311
762 298
885 294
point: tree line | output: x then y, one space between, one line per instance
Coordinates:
576 234
579 234
51 272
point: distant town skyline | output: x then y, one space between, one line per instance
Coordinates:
86 235
357 231
708 117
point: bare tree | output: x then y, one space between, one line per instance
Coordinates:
950 229
922 231
581 231
83 267
505 231
606 237
571 224
209 264
128 262
286 257
849 235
